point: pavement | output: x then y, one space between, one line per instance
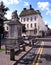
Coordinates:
5 58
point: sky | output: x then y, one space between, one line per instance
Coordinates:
43 5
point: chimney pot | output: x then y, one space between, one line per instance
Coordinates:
30 6
24 8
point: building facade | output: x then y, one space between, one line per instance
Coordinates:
33 21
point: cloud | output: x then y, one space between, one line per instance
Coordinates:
26 3
49 26
45 22
8 15
11 2
43 5
48 12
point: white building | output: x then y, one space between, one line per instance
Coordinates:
6 26
33 21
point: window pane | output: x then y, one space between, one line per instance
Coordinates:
35 18
31 26
35 31
31 18
7 28
35 25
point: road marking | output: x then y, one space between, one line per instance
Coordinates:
37 58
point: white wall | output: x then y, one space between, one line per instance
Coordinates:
6 27
41 24
29 22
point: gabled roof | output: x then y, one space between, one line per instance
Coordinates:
31 11
28 12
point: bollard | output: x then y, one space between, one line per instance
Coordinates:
33 42
12 54
23 47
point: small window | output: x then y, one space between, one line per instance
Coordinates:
35 18
27 19
31 18
35 31
31 26
35 25
24 19
7 28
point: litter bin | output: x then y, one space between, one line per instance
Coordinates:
12 54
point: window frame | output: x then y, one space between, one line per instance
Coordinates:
31 25
35 17
24 19
31 18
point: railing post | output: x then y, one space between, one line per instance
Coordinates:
24 49
12 54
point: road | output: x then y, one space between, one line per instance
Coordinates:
40 54
43 55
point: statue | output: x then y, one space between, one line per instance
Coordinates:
15 15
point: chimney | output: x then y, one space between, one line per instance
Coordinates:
24 8
30 6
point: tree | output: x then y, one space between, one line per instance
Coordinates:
3 10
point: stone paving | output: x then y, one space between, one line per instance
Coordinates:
5 58
28 58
